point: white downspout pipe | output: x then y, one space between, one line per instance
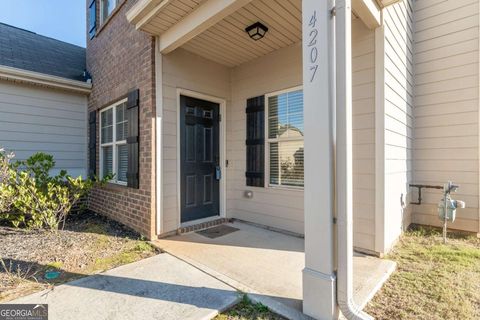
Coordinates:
343 169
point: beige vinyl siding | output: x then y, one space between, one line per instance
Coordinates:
398 121
184 70
446 106
37 119
282 69
280 207
363 86
277 207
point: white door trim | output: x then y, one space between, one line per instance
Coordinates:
223 185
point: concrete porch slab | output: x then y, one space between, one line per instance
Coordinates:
160 287
267 265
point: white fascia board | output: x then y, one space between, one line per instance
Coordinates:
386 3
144 11
25 76
368 12
202 18
140 9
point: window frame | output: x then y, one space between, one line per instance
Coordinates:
268 141
105 19
114 144
92 19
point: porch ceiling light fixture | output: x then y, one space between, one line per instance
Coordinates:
256 31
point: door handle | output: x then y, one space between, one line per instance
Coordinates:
218 172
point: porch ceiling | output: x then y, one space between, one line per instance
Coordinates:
227 42
215 29
157 16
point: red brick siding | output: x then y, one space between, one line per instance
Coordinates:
120 59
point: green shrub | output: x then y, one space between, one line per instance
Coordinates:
32 197
7 191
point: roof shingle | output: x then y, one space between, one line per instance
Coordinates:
27 50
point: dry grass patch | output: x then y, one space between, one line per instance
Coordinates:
432 280
89 244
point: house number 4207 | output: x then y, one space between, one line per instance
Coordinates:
312 45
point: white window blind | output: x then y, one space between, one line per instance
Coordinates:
114 149
285 138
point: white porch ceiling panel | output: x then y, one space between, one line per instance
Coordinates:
170 14
221 36
227 42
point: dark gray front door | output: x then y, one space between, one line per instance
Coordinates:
199 158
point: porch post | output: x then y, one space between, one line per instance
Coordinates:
319 288
158 138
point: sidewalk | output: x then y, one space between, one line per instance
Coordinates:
160 287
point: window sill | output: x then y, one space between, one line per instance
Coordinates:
116 186
110 17
276 188
286 188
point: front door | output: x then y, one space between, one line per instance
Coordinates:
199 158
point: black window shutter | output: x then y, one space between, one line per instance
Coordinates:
133 140
255 142
92 21
92 144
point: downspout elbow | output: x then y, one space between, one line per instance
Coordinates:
350 310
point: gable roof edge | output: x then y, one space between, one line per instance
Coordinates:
36 78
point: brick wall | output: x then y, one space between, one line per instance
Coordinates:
120 59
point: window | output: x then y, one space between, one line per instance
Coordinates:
285 138
106 8
113 142
92 22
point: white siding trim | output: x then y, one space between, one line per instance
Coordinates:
478 123
379 138
158 138
30 77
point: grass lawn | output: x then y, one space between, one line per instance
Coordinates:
432 280
247 310
89 244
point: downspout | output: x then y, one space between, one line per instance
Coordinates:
343 169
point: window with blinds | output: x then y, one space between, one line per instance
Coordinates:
285 138
106 8
113 138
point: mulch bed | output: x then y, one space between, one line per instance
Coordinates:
89 243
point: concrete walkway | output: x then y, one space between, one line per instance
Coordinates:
160 287
268 265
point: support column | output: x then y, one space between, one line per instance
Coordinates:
319 288
158 139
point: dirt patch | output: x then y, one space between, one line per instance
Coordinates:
90 243
432 280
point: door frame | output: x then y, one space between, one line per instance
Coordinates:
222 139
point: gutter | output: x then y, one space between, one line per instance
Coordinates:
37 78
343 167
